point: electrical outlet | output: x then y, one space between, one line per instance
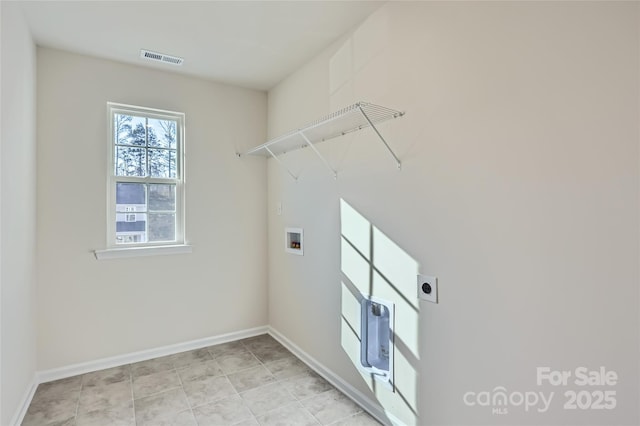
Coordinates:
428 288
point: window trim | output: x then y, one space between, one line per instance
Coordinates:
136 249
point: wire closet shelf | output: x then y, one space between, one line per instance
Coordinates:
358 116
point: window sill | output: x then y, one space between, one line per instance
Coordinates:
117 253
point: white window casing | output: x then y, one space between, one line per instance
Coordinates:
134 211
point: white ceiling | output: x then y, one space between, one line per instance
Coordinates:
252 44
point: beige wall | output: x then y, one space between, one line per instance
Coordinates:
18 221
90 309
519 190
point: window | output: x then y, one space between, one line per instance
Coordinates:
146 182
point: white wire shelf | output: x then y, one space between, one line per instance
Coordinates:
358 116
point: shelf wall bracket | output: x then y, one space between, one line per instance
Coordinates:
398 163
326 163
352 118
281 163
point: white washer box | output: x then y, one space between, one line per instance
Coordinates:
294 241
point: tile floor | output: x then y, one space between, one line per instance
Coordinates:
254 381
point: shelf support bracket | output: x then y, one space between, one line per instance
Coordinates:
326 163
380 136
281 163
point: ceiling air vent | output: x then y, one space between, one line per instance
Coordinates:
160 57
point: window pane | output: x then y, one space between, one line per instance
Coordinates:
162 163
131 228
131 161
131 197
162 227
164 133
130 129
162 197
122 128
146 176
131 221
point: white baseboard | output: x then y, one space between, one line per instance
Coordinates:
26 401
86 367
358 397
115 361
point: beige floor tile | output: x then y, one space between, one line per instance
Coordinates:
290 415
266 398
154 383
361 419
58 388
185 359
262 345
108 376
208 390
250 422
52 416
251 378
270 354
243 383
287 367
330 406
104 397
151 366
152 409
114 416
71 421
229 348
51 411
260 341
228 411
183 418
200 371
237 361
306 385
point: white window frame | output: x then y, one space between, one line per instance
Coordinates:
148 248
